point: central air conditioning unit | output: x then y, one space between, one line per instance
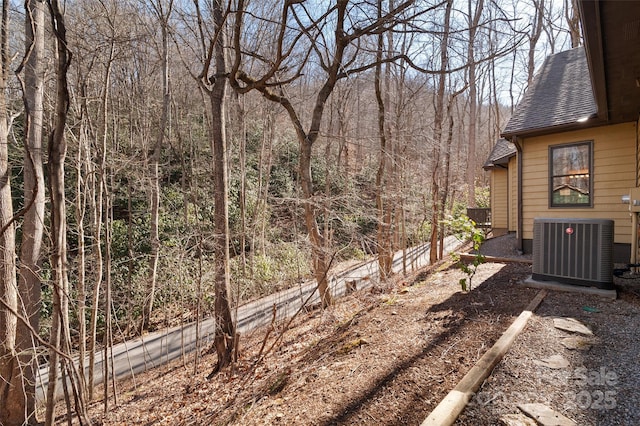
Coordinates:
573 251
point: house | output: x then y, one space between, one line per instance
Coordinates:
503 183
574 135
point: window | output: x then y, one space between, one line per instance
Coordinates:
570 175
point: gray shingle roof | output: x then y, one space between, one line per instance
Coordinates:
500 154
560 94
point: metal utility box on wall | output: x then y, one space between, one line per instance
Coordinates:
573 251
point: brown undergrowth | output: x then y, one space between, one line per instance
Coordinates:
376 357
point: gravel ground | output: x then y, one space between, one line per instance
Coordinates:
600 383
502 246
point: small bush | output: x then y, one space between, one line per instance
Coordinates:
465 230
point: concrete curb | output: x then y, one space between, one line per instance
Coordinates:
556 286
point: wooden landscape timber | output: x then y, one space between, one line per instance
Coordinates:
469 257
448 410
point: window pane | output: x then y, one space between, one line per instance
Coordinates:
571 175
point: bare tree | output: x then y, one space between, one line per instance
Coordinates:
163 11
446 173
60 335
97 205
19 364
474 15
33 226
383 201
534 36
437 132
12 398
336 59
213 81
573 21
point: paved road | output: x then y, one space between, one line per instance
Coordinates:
155 349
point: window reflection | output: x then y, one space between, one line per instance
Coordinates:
571 175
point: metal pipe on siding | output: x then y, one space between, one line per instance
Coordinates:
519 219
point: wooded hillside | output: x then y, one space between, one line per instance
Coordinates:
167 160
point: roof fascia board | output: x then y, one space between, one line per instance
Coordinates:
592 33
594 122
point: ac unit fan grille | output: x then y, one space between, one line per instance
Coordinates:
574 251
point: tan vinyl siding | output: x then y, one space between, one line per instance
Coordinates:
499 199
513 194
614 170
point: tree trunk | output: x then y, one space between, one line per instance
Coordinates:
163 17
60 338
384 237
154 237
225 339
243 184
474 20
446 172
259 223
13 403
573 20
12 400
98 193
107 342
536 31
318 252
437 134
20 396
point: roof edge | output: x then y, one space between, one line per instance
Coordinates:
592 33
542 131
